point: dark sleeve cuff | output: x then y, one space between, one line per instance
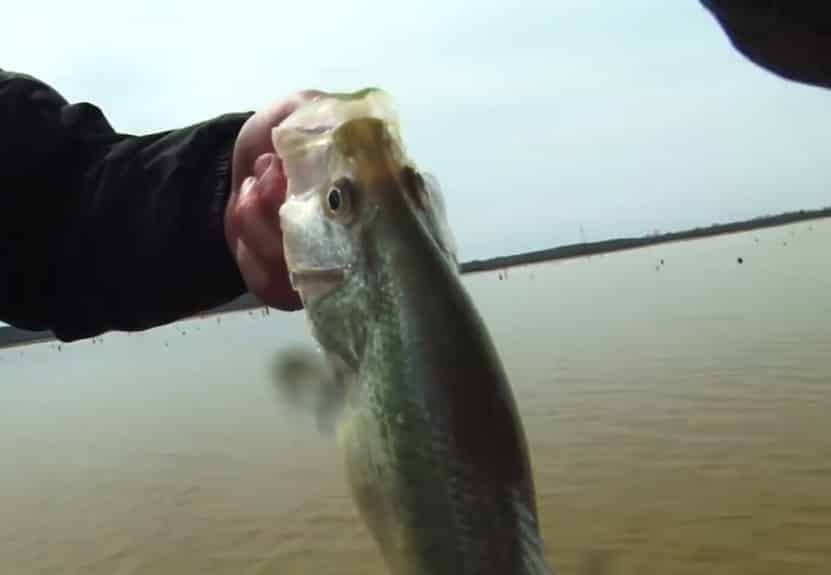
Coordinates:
150 242
106 231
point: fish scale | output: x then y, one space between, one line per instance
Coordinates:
434 447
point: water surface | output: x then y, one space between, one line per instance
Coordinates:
676 402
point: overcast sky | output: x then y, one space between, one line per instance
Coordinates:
613 117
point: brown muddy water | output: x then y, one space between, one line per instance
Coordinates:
678 405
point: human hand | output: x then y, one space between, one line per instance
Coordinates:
258 189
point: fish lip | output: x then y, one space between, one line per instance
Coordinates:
316 283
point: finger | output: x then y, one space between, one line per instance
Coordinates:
268 283
262 163
256 242
253 271
232 211
259 226
271 189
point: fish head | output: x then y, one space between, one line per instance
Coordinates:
346 166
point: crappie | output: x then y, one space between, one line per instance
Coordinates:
435 452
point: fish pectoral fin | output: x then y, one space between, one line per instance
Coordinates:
304 381
329 406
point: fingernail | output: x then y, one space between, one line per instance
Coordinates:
247 184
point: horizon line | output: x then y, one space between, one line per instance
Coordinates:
12 336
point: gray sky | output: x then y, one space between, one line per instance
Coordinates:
620 117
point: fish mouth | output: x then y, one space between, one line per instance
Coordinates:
315 283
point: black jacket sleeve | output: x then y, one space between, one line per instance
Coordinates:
791 38
103 231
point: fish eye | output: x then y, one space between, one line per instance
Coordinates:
339 197
334 199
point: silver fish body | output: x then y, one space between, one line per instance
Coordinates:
435 451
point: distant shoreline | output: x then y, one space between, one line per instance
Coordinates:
10 336
607 246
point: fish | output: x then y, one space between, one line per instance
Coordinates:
435 452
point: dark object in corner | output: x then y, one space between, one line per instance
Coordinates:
790 38
740 260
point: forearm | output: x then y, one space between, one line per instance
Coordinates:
105 231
